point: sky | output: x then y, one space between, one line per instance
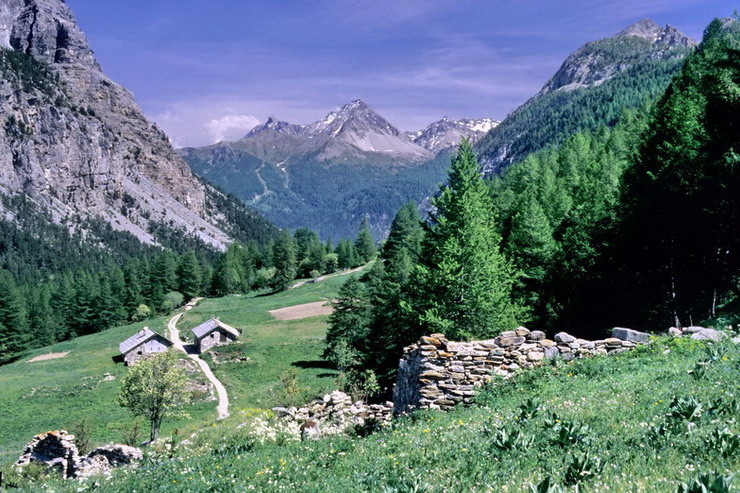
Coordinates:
207 71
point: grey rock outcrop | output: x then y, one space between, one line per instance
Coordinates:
76 142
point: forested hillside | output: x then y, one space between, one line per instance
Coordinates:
593 88
625 226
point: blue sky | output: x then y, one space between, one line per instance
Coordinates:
210 70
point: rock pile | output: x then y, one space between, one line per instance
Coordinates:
335 413
697 333
436 373
57 450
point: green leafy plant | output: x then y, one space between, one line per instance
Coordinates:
511 439
708 483
569 433
547 485
528 410
724 442
582 468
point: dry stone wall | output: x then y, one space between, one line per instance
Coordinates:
436 373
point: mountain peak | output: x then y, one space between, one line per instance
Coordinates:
447 133
649 30
276 125
645 28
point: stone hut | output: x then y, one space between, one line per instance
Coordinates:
141 344
213 333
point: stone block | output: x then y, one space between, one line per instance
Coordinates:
536 356
630 335
510 341
708 335
546 343
564 337
536 335
552 352
522 332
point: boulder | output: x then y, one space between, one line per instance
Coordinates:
552 352
522 331
509 341
691 330
536 335
674 332
708 335
564 337
546 343
630 335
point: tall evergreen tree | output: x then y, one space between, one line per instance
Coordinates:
463 284
190 276
13 316
365 244
284 261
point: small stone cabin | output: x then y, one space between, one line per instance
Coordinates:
213 333
141 344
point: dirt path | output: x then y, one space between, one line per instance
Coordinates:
328 276
223 397
306 310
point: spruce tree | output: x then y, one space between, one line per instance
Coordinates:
13 316
365 244
190 276
284 261
463 284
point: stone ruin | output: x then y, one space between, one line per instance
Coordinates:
436 373
58 452
335 413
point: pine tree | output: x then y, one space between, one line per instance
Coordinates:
190 276
365 244
346 256
13 317
463 283
284 261
347 336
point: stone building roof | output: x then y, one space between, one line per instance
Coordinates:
207 327
140 338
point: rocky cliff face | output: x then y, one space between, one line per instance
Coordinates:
76 142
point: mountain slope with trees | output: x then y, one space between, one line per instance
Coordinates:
593 88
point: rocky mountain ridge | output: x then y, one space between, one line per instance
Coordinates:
592 88
446 133
78 145
593 64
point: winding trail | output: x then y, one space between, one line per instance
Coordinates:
223 397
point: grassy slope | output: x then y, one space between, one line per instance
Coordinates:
618 404
274 347
71 389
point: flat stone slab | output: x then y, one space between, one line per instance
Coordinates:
630 335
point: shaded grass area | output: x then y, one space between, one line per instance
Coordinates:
638 422
58 394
